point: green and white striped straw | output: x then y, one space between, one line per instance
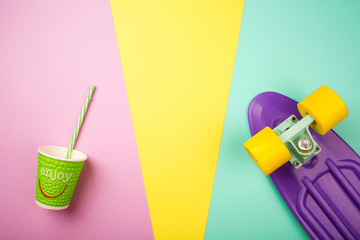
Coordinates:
80 121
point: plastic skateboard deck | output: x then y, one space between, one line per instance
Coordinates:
323 194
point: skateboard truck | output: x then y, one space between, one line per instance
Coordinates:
291 140
296 136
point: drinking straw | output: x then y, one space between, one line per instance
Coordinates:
80 121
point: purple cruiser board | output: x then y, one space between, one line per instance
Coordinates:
323 194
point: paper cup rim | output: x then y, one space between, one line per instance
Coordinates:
50 207
55 152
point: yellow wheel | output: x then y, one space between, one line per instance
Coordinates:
267 150
326 107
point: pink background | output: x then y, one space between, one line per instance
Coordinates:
50 53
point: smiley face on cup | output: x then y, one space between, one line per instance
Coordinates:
57 176
53 176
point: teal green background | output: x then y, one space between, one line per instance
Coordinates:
290 47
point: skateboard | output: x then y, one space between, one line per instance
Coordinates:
316 172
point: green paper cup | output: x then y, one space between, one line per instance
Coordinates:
57 176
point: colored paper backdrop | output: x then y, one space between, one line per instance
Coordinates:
178 59
291 47
50 53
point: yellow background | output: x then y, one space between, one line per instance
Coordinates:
177 59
